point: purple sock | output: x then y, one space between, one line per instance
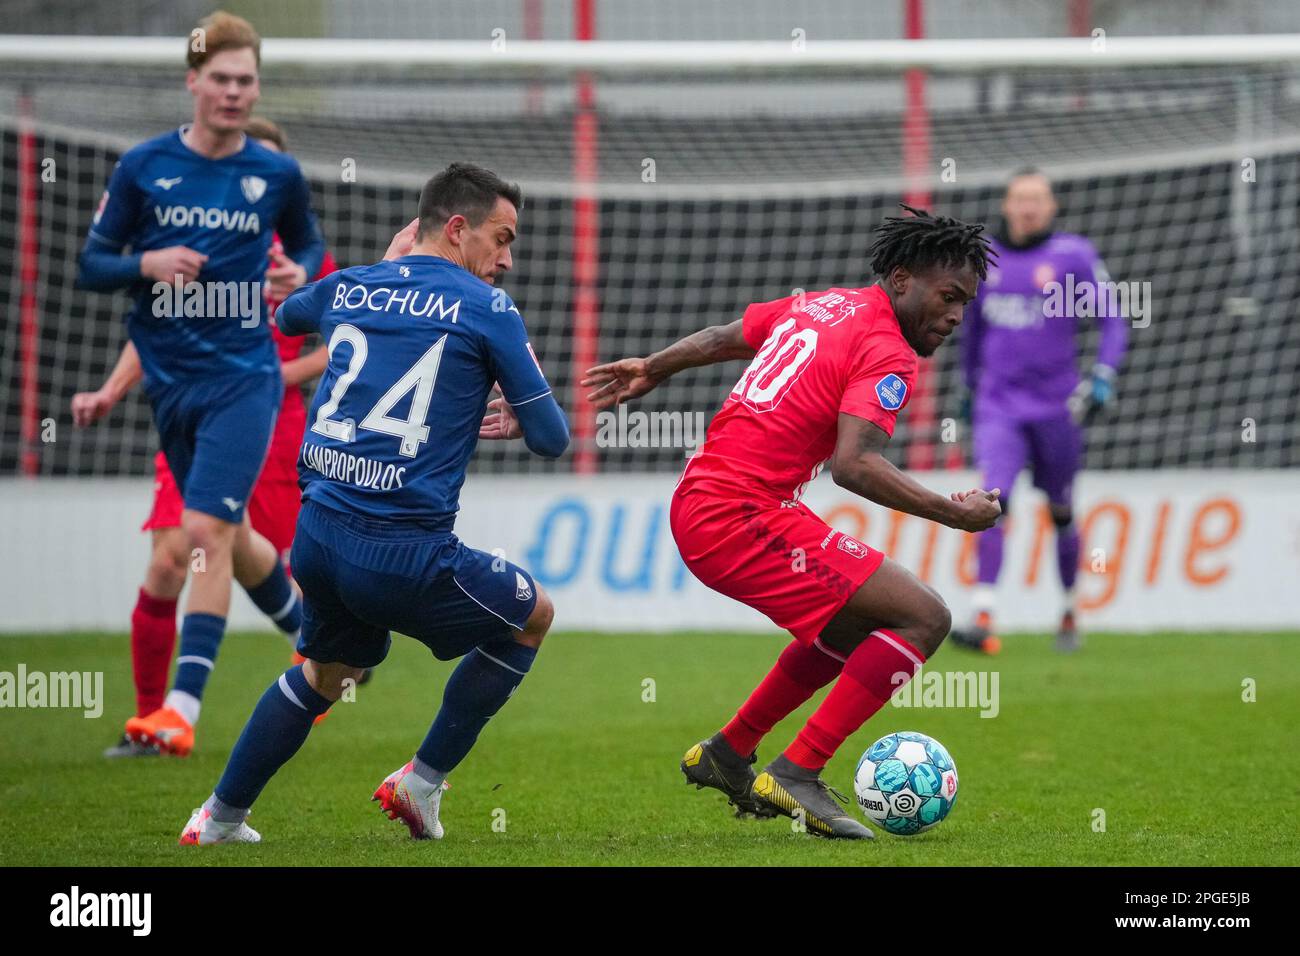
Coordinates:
988 546
1067 554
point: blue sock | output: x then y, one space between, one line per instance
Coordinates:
278 727
274 597
200 637
483 681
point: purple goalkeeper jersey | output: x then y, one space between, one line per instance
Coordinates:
1019 350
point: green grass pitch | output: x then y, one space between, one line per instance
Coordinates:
582 769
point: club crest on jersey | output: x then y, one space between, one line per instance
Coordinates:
891 391
523 590
852 546
254 187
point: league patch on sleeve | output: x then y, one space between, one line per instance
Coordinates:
891 391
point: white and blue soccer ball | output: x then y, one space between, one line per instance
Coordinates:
906 783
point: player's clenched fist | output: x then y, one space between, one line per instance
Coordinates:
164 265
284 275
618 381
90 407
977 510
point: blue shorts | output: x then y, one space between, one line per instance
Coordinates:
362 578
215 434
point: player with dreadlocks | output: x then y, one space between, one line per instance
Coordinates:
830 372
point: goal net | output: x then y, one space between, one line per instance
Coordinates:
667 185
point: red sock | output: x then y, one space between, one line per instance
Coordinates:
800 672
868 680
153 638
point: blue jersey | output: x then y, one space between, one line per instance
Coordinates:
415 345
163 194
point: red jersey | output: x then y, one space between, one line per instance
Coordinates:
282 456
819 354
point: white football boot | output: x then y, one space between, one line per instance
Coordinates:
406 796
202 830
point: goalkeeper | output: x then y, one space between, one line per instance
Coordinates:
1028 402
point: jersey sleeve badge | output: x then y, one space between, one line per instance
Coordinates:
891 391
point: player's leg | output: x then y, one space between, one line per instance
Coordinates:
277 729
273 513
787 563
886 631
153 623
338 645
153 629
479 687
261 573
1057 454
215 441
724 761
1001 448
493 616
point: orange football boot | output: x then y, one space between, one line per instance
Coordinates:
990 643
164 728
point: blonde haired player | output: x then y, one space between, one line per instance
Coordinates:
202 204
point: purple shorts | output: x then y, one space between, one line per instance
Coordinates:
1052 448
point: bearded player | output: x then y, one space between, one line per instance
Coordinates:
194 210
273 507
830 372
1021 365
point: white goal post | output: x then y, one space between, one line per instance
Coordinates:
670 183
705 56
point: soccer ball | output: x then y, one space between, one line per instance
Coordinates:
906 782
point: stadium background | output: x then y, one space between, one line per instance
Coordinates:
763 183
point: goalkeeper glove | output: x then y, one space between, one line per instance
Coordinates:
1092 394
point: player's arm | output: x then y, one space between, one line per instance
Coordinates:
301 312
104 265
304 246
859 466
527 405
629 378
972 329
305 367
1097 390
90 407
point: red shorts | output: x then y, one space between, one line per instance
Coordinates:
167 501
273 509
783 561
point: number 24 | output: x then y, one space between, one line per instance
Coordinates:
421 377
